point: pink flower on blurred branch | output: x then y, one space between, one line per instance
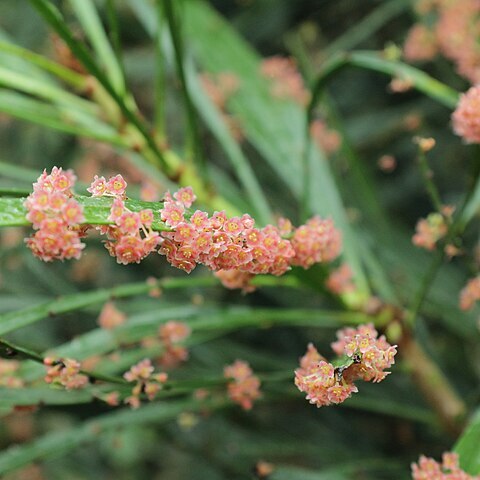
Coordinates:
466 117
365 356
56 216
470 294
243 386
448 469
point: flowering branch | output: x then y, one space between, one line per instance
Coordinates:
13 350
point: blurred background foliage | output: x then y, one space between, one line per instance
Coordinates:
372 436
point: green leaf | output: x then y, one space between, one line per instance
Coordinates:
58 117
11 397
60 443
65 74
54 18
88 16
68 303
367 26
342 471
468 446
34 86
472 208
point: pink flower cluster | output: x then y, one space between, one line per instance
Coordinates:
226 244
65 372
340 280
449 469
233 247
327 139
318 241
56 216
243 386
470 293
429 231
111 317
367 358
8 377
131 238
420 44
465 118
454 33
145 382
171 335
287 83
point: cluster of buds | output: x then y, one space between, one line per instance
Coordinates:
465 118
231 246
429 231
327 139
146 381
219 242
287 83
243 386
420 44
340 280
470 293
55 215
111 317
8 377
65 372
453 33
131 238
449 469
226 244
318 241
363 355
171 335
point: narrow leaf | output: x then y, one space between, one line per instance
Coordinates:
468 446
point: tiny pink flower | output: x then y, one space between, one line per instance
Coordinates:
185 196
199 219
116 186
116 210
98 187
146 217
72 212
172 214
465 119
129 222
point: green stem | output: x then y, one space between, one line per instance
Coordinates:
114 30
160 79
427 175
193 135
375 62
455 228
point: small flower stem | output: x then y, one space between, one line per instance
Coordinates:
13 349
454 228
425 286
428 180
